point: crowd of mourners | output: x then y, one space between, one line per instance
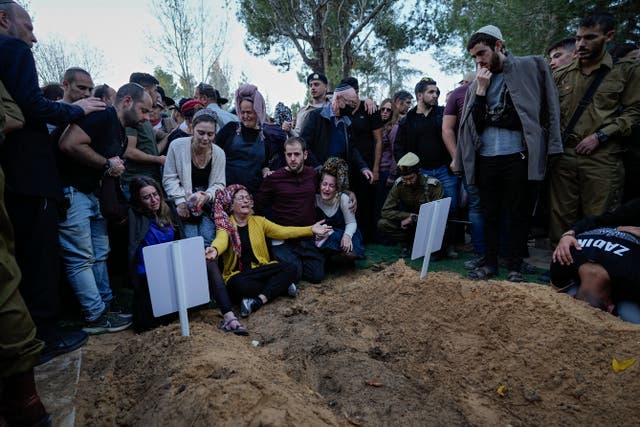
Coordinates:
92 172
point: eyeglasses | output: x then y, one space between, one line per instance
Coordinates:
387 109
150 196
243 198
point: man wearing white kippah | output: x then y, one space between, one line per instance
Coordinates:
510 124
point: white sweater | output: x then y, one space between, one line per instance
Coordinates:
330 210
176 178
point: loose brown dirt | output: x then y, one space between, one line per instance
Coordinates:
375 348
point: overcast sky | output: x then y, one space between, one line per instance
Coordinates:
118 28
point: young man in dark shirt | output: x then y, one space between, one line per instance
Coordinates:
290 192
93 147
366 136
420 132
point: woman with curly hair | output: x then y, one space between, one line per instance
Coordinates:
332 206
251 276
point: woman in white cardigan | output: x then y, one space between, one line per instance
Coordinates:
193 172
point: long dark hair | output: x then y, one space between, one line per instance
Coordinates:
393 119
163 216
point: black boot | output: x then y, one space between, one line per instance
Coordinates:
21 405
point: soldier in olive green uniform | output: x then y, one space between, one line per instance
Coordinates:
19 348
587 179
412 189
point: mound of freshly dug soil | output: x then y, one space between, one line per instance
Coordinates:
379 348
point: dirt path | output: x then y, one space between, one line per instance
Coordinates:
375 349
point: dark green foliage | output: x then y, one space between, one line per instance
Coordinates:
328 35
528 27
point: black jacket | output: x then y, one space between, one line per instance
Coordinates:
28 155
317 133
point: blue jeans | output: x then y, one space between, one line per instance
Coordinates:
84 245
475 217
333 243
629 311
450 183
206 228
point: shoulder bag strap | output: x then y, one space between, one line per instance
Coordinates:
585 101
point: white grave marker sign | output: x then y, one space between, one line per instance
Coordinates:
432 220
177 276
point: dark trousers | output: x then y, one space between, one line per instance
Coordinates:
142 309
365 214
35 223
503 185
19 350
304 256
270 280
217 288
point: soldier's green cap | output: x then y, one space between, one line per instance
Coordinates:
408 164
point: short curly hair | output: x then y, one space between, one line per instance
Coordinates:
339 169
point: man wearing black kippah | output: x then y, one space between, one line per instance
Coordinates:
327 132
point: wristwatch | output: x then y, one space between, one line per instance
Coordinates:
602 137
107 167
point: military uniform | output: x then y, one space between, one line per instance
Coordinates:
19 350
585 185
403 200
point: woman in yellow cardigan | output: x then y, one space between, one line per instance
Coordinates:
251 276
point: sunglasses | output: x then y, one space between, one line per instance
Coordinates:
387 109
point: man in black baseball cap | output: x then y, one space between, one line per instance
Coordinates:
317 83
317 76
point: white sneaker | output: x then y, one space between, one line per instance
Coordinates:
292 291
